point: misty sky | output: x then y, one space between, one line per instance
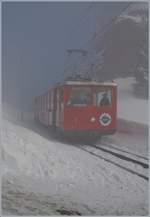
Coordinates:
35 36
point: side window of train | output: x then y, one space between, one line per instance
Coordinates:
104 98
49 101
36 104
57 98
41 103
52 99
61 99
45 102
58 95
61 95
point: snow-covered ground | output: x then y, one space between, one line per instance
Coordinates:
130 107
65 177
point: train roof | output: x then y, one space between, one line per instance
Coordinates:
80 83
89 83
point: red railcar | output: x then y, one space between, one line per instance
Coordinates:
79 108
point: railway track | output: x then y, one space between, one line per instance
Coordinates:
112 146
123 157
128 161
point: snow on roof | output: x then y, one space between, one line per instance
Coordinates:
90 83
78 83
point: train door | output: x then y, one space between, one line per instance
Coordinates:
59 107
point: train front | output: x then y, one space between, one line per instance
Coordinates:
90 109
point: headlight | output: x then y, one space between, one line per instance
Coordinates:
93 119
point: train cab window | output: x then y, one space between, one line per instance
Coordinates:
80 97
104 98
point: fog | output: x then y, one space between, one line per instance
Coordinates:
35 36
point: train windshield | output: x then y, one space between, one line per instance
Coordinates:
80 96
104 98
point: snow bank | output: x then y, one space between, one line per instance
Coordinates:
64 171
129 107
131 127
